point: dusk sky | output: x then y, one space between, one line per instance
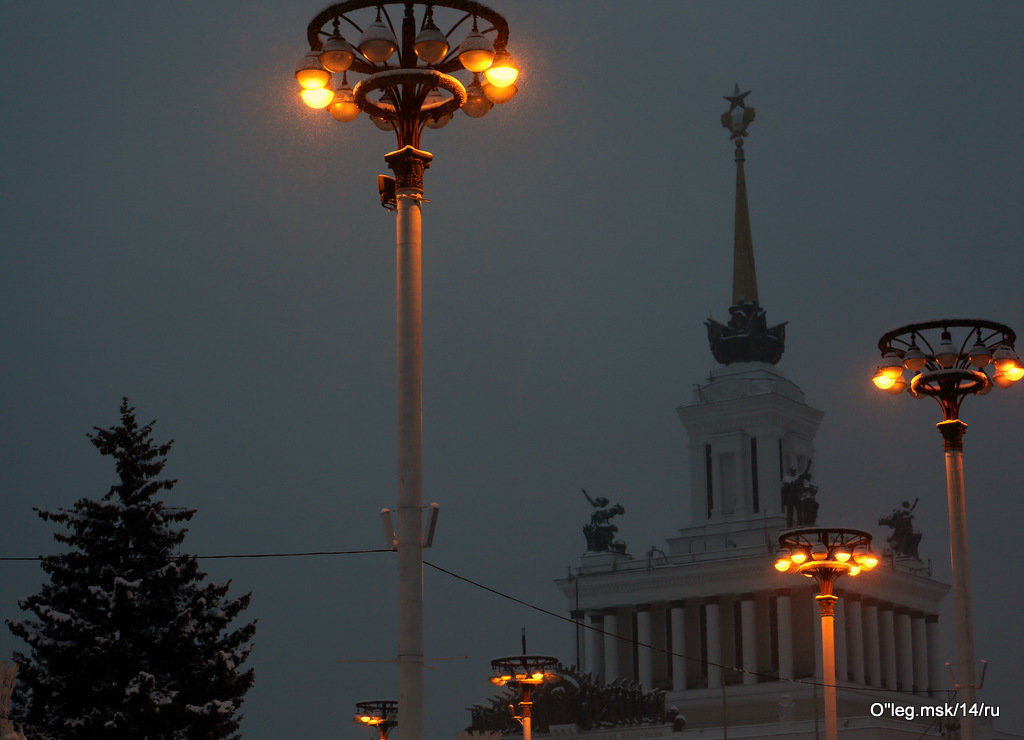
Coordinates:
178 228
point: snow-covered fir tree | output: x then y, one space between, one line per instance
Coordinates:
128 639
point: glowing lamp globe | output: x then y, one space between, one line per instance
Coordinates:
1004 357
317 98
431 45
892 365
310 73
435 98
343 107
377 42
946 354
337 54
914 359
476 52
898 386
882 381
502 72
499 94
979 355
476 104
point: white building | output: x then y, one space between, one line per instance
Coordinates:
735 644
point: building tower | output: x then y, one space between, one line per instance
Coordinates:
707 619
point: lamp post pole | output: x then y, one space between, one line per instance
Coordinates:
412 75
951 359
824 555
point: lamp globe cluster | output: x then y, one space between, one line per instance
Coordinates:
524 670
959 356
411 55
825 552
382 714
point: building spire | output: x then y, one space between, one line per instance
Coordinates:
744 275
747 337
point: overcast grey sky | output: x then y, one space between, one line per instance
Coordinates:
179 229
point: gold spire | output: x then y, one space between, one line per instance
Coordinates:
747 337
744 275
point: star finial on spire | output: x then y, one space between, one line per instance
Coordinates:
739 116
736 99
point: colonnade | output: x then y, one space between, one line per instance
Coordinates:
769 635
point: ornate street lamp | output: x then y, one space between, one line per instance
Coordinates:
382 714
409 79
524 672
824 555
949 360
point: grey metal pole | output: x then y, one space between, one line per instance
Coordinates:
408 164
953 432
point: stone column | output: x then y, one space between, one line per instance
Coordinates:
677 614
579 617
611 645
855 638
931 626
595 655
784 631
904 656
714 642
749 632
872 664
887 647
644 659
919 650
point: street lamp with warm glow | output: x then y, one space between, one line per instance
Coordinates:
382 714
824 555
524 672
949 360
407 72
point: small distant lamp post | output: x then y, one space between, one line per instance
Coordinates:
382 714
949 360
524 672
824 555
